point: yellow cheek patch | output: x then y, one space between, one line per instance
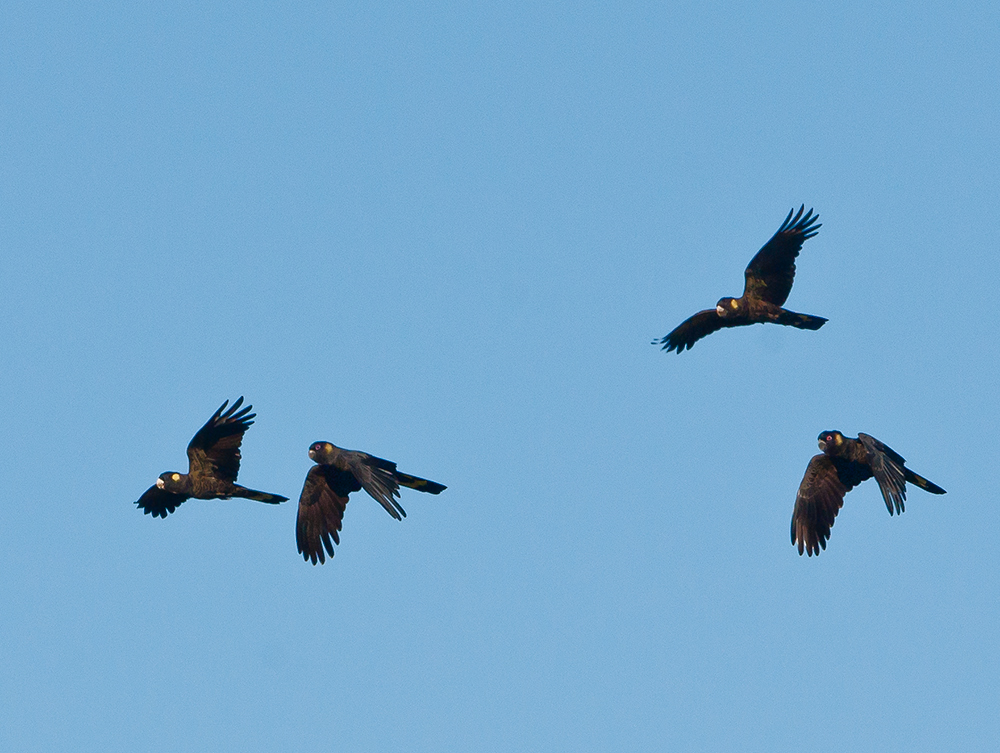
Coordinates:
733 304
175 477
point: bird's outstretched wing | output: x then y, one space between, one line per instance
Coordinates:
770 274
887 467
159 503
321 513
819 499
692 329
375 475
378 478
215 448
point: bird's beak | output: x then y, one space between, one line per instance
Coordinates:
822 445
720 311
312 454
159 483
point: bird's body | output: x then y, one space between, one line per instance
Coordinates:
767 282
213 464
201 487
843 464
324 495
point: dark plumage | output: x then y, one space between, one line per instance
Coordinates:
213 463
769 279
844 464
324 495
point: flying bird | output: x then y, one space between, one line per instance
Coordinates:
769 279
324 496
213 462
844 464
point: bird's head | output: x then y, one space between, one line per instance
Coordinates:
829 440
726 306
319 452
170 482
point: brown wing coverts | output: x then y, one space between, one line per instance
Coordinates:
770 274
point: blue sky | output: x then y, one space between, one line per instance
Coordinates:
445 234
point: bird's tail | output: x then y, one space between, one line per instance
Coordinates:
923 483
271 499
420 484
802 321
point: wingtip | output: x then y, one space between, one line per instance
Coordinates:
669 346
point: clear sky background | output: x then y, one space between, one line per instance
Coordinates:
446 234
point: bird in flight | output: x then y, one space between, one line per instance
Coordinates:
844 464
213 462
769 279
324 496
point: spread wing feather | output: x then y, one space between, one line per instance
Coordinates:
375 475
215 448
692 329
887 467
819 499
158 502
321 514
770 274
378 478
